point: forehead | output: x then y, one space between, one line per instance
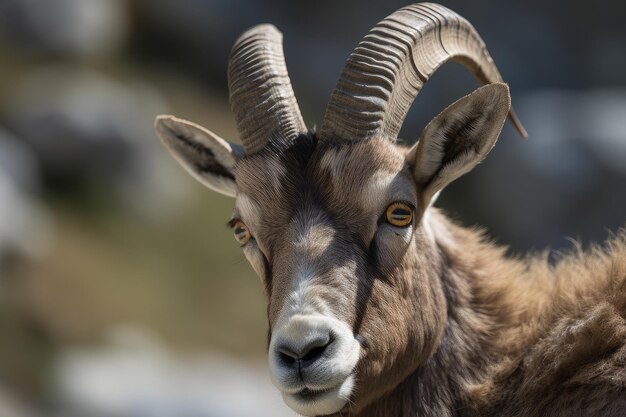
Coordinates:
353 179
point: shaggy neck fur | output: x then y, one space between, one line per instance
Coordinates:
518 329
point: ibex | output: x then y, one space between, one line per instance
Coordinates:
378 304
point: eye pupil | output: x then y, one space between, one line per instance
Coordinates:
400 214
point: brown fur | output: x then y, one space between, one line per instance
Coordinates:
524 338
451 326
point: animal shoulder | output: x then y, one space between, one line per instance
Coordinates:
573 361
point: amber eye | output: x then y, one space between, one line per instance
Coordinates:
242 234
399 214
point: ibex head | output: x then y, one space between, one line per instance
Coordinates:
333 222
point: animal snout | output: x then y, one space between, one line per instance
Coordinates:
302 353
312 352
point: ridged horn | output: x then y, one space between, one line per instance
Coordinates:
261 96
388 68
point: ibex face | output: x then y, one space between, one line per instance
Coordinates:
333 222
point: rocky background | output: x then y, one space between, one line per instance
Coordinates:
122 294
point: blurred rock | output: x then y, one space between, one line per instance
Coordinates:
24 223
9 407
136 376
94 135
18 162
195 34
65 27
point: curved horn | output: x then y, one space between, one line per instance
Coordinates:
388 68
261 96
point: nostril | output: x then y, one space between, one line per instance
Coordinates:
286 359
286 355
315 350
305 356
314 353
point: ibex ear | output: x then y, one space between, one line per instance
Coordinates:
206 156
458 139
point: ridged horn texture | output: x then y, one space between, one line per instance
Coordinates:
261 96
388 68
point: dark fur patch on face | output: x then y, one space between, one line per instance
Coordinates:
294 154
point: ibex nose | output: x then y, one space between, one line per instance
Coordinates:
312 353
306 354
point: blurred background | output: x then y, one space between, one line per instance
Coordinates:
122 293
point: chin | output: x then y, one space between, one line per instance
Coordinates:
310 403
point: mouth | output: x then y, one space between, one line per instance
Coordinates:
311 394
316 402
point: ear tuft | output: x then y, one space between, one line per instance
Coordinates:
207 157
459 138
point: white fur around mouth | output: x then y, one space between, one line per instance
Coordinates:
310 402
